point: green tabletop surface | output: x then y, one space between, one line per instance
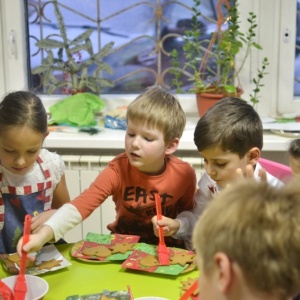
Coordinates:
83 278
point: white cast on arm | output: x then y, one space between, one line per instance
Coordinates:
63 220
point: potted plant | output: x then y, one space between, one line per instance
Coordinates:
76 79
73 76
210 62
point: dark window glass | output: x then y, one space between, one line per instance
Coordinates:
143 32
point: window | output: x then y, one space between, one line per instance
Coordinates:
289 58
143 32
275 18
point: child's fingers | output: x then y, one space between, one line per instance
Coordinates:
19 247
239 173
263 175
32 246
155 225
249 171
32 256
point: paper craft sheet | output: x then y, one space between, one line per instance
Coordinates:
109 241
105 295
46 254
142 250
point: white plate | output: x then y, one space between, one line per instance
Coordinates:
289 134
37 287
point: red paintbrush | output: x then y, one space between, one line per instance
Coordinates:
190 291
162 250
20 288
130 292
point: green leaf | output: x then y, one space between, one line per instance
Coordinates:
62 83
230 89
103 67
51 89
77 48
84 73
50 57
53 79
40 69
104 51
82 37
86 63
257 46
89 47
105 82
74 67
60 53
50 44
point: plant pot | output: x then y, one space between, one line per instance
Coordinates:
207 100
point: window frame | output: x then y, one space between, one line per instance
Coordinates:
2 70
14 66
272 16
286 58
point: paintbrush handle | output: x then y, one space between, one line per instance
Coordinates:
190 291
159 217
158 207
26 233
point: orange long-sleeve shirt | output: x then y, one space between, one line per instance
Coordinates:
133 194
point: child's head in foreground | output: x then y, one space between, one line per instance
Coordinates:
155 123
229 136
294 156
248 243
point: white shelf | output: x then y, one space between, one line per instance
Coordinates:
114 139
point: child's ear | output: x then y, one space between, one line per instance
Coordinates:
224 275
172 147
253 156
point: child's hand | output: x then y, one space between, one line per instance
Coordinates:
169 225
263 175
36 240
249 173
38 221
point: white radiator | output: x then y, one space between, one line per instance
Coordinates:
81 170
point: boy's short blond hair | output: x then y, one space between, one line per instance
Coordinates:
158 109
258 227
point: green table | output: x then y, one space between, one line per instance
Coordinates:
86 278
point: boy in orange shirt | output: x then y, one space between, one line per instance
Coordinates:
155 123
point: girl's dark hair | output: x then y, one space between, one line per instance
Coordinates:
23 108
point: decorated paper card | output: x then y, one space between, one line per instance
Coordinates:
47 259
104 248
105 295
144 258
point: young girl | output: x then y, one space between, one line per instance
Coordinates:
32 179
